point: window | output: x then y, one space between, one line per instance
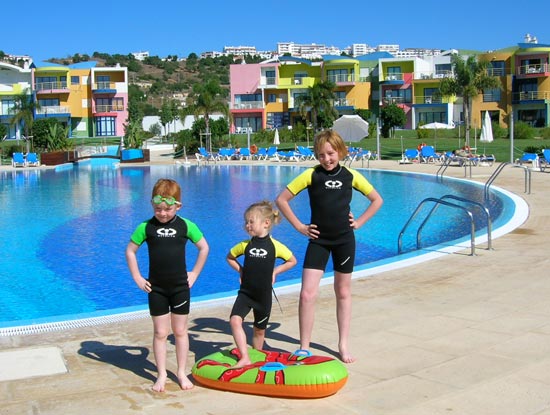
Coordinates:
105 126
443 69
497 68
271 97
338 75
75 80
340 98
103 82
270 77
7 105
429 117
491 95
52 102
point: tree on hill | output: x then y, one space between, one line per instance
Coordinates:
469 79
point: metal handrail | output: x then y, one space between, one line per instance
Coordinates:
442 202
478 204
500 168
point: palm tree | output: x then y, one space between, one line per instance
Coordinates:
469 80
23 113
207 99
318 101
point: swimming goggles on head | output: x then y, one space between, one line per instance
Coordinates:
169 200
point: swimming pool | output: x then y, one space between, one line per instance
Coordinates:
63 231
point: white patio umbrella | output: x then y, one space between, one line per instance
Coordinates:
486 131
437 126
276 140
351 127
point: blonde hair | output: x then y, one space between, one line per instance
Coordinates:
264 210
167 188
334 139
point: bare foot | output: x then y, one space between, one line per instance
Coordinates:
160 384
346 357
185 383
245 361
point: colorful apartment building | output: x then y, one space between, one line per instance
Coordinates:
263 95
91 101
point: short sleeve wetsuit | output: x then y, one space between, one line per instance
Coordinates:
330 194
260 255
167 267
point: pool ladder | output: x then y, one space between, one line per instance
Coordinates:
498 170
442 201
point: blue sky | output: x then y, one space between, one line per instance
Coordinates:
179 27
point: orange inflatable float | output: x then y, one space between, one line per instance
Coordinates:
277 374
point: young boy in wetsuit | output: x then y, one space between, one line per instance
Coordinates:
169 282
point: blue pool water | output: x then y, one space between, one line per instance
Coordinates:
63 232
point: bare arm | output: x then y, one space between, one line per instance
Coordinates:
131 259
283 204
376 202
203 248
236 265
285 266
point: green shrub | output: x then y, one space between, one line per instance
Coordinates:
545 133
523 131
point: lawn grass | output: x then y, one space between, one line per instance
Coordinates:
392 148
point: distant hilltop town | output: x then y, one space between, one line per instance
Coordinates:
314 51
310 51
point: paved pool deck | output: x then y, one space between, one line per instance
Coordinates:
459 334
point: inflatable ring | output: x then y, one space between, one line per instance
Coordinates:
253 149
278 374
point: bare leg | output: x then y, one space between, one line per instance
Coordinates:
306 309
161 327
258 339
179 327
239 335
342 290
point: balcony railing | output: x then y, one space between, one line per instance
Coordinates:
428 99
109 108
248 105
342 78
268 81
52 110
104 85
433 75
531 96
533 69
394 100
394 77
343 102
46 86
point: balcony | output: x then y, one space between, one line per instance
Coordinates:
343 102
268 81
428 99
52 111
394 100
533 70
531 96
394 77
342 78
51 87
249 105
104 87
109 108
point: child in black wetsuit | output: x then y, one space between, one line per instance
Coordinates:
330 231
257 274
169 282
